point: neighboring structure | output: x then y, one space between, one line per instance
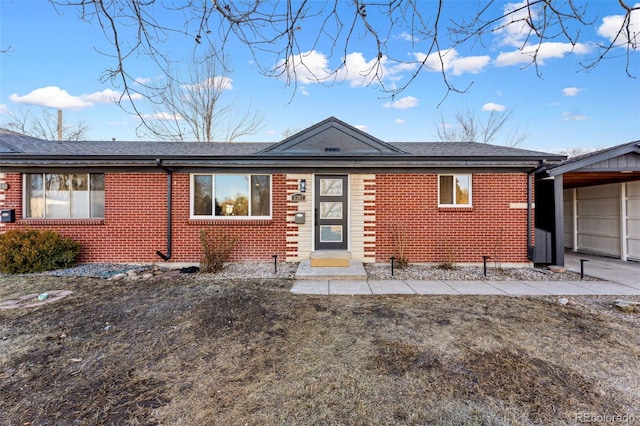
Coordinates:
329 187
597 202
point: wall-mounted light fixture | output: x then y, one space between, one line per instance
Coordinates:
303 185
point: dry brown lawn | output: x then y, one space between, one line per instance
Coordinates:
194 350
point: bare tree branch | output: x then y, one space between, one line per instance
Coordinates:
272 32
467 127
45 126
195 107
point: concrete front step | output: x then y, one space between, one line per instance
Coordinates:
355 271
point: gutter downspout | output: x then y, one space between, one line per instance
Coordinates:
167 256
530 207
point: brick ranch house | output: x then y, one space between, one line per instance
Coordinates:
328 187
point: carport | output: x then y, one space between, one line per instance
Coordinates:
590 204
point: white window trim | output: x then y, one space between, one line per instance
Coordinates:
213 216
470 204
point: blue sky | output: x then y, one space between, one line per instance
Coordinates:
54 61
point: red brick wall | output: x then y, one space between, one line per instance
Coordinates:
135 223
255 239
433 234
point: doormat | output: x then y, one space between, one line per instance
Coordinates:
322 262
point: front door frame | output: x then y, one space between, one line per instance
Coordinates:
320 222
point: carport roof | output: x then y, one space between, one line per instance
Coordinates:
610 165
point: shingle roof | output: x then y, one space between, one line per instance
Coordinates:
23 151
468 149
28 145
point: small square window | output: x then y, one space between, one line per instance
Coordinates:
454 190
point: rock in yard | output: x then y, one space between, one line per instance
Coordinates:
557 269
628 306
563 301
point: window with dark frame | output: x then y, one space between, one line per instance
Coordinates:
64 195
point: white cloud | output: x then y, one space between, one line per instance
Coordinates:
269 132
570 116
490 106
51 97
360 72
405 36
55 97
313 67
470 64
542 52
403 103
400 121
163 116
611 25
361 127
107 96
4 109
571 91
452 61
308 67
143 80
513 28
215 83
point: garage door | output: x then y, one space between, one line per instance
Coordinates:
598 219
568 218
633 220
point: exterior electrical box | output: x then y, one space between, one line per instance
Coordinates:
300 217
7 216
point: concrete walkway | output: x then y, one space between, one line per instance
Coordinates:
619 278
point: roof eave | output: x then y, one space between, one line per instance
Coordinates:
570 165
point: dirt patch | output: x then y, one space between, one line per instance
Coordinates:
194 350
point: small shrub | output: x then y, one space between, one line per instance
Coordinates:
26 251
449 259
216 250
497 251
399 245
447 265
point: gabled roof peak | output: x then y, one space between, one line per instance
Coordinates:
332 137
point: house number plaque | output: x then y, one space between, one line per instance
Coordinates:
298 197
4 186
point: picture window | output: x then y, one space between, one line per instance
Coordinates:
231 196
64 195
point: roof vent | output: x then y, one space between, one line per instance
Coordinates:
332 149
